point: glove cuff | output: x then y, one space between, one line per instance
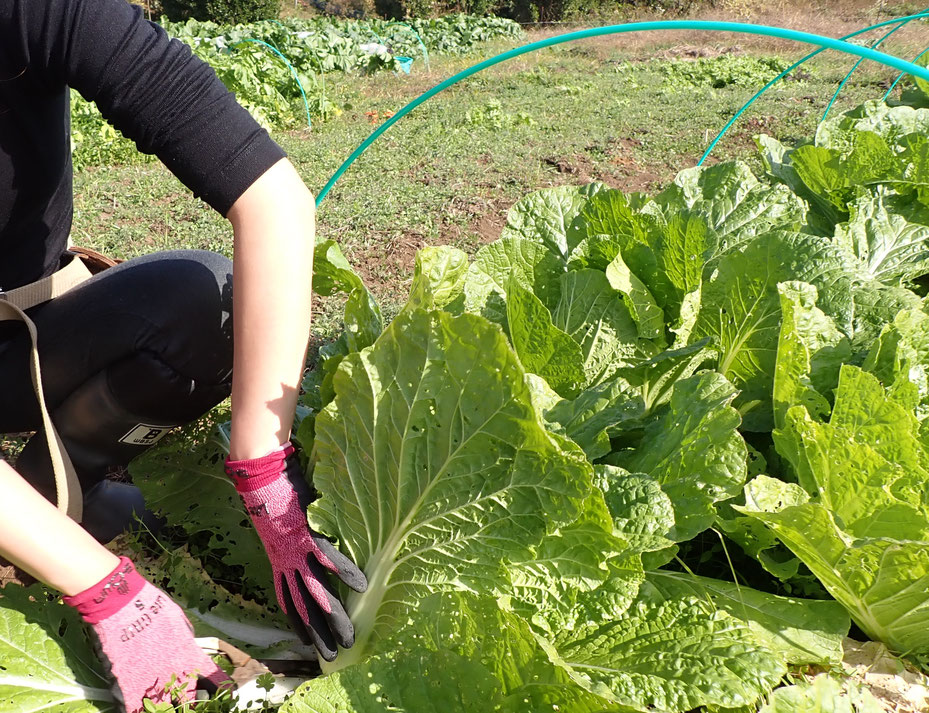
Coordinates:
110 594
255 473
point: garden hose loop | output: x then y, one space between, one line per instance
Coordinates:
705 25
877 44
791 68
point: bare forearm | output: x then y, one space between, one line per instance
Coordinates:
274 225
43 541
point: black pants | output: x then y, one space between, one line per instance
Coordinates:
136 349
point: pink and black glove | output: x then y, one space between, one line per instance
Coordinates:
276 497
144 639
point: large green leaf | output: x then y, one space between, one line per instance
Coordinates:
694 451
648 316
587 418
810 351
867 465
460 622
434 468
890 248
438 279
533 265
643 515
876 305
673 655
735 205
745 316
653 380
543 347
900 359
596 317
802 631
47 660
891 123
546 216
417 681
865 534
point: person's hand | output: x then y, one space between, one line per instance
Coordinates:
145 640
276 497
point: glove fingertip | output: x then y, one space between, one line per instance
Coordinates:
355 579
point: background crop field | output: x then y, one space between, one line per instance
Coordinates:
630 111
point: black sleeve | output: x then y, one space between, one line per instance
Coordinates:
151 88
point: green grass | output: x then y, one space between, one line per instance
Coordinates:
447 172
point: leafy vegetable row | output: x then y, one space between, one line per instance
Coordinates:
520 458
266 86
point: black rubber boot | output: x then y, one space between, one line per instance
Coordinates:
98 434
96 431
101 426
111 508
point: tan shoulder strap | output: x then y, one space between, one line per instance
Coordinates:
12 307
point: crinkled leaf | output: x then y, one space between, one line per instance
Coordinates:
900 359
532 264
735 204
477 628
802 631
867 464
596 317
438 279
543 348
587 418
47 660
674 655
876 305
570 580
810 351
890 248
642 513
546 216
434 469
831 174
881 580
653 380
694 451
746 315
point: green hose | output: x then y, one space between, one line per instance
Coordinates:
293 71
418 38
860 60
902 75
791 68
806 37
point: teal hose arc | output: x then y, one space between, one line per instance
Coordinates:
418 39
805 37
903 74
791 68
848 76
306 104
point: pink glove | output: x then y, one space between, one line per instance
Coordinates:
144 638
271 487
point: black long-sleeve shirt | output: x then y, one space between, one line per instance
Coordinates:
150 87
